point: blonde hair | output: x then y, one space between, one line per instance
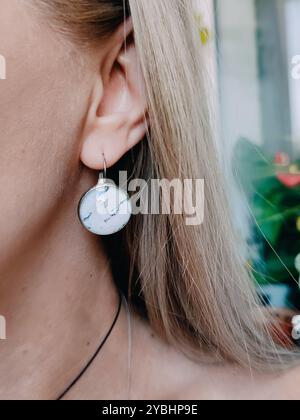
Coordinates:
197 292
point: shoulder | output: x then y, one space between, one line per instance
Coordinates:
173 376
287 385
229 383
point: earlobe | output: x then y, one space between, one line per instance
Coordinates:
116 120
107 137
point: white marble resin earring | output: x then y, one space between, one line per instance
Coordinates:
296 328
105 209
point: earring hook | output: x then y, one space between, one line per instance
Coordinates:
103 174
104 166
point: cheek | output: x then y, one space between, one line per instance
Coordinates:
41 111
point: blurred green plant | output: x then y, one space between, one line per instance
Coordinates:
272 186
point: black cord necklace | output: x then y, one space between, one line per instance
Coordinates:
78 377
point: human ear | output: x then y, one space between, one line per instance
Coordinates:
116 120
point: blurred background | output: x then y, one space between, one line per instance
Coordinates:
254 54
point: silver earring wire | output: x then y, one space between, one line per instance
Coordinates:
103 174
104 166
129 355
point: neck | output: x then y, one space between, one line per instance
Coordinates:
59 300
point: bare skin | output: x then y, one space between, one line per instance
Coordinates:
56 288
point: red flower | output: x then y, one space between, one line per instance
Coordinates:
289 180
282 159
291 177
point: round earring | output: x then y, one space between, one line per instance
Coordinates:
105 209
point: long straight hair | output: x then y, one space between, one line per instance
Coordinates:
197 291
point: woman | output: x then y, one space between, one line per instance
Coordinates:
81 92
